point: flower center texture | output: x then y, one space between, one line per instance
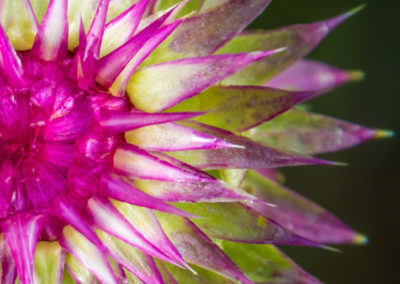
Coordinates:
47 120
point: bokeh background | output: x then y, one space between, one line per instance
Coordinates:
364 194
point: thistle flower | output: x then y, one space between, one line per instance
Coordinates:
139 140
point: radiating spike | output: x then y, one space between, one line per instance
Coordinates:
51 42
22 233
107 218
174 81
299 40
110 66
151 17
193 191
232 17
238 108
246 155
9 62
177 9
96 31
173 137
296 213
134 162
118 31
236 222
334 22
313 75
88 50
310 133
218 25
8 272
116 188
140 264
88 254
146 223
119 85
197 248
119 122
64 209
78 273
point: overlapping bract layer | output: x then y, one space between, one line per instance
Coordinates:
110 113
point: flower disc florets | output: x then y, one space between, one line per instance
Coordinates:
49 123
138 141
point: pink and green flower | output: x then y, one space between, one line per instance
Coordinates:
140 139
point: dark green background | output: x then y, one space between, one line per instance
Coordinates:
366 193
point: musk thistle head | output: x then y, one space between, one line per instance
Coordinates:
139 141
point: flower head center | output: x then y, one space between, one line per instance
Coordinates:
43 122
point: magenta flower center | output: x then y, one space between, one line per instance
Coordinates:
49 132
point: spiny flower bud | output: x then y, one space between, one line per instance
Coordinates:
139 141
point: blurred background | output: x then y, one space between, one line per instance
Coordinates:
365 194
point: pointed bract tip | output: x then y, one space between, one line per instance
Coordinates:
332 249
330 163
334 22
356 75
380 133
333 163
277 50
356 10
259 201
360 239
265 53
